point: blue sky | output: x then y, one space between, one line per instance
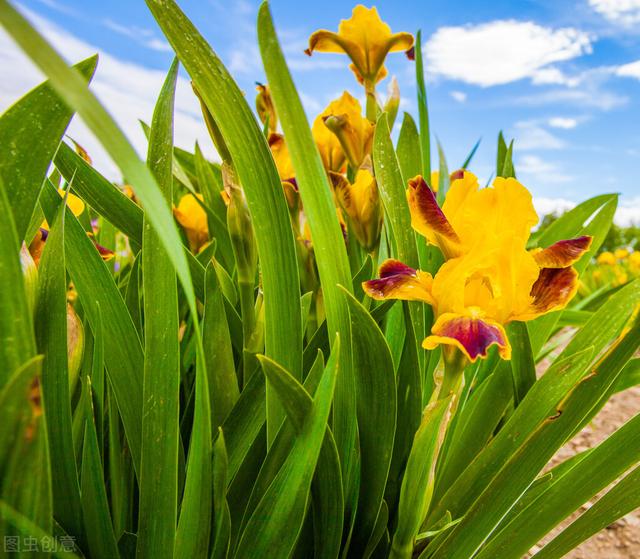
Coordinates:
563 78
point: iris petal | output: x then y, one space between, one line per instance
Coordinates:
563 253
399 281
429 220
472 335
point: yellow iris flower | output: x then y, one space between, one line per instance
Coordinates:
193 219
354 132
331 152
361 202
366 40
489 278
606 258
621 253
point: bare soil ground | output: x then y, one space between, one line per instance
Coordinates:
620 540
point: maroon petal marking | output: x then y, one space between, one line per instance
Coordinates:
429 219
563 253
553 289
474 336
459 174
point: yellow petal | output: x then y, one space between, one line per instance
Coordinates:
366 39
280 153
361 202
399 281
354 132
193 219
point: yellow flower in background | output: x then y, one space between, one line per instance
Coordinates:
366 40
280 153
353 131
193 219
361 202
489 278
331 152
606 258
265 107
435 181
634 261
75 204
621 253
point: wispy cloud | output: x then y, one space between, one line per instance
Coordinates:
537 171
459 96
531 135
144 37
502 51
563 122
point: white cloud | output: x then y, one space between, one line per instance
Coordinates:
591 96
127 90
501 51
140 35
563 122
459 96
631 70
554 76
537 171
621 12
628 212
530 135
558 206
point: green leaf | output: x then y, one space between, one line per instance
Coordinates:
501 154
218 221
25 526
51 333
271 529
443 175
329 248
244 422
376 408
622 499
259 178
630 375
223 383
221 517
408 150
30 132
418 480
398 218
467 161
476 424
17 342
102 195
567 491
101 298
423 111
158 480
522 466
95 507
110 202
194 525
539 403
508 171
14 397
73 89
523 366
